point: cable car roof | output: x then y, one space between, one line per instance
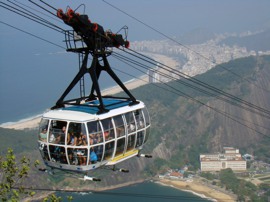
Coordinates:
88 111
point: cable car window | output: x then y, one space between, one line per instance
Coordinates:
120 146
75 132
131 142
109 149
44 151
147 121
140 137
58 154
146 116
43 129
108 129
95 132
119 125
81 155
147 134
57 132
77 156
139 119
72 156
96 153
82 152
130 122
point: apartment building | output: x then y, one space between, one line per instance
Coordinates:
231 158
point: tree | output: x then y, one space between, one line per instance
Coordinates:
12 175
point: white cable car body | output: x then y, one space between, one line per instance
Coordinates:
106 139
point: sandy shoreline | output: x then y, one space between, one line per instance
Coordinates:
197 188
31 123
34 122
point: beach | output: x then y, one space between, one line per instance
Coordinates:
30 123
196 187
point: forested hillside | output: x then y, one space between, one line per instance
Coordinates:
182 127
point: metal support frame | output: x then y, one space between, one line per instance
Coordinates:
94 70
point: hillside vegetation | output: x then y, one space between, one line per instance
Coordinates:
183 128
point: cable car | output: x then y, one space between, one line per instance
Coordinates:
91 131
76 138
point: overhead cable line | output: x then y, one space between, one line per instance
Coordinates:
43 7
180 93
192 79
174 92
32 17
33 35
196 81
23 7
39 11
164 83
170 38
192 86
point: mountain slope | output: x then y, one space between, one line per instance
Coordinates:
183 128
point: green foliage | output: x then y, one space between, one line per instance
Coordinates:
12 176
208 175
240 187
228 178
13 173
159 165
178 159
261 149
54 198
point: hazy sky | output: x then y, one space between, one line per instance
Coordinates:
172 17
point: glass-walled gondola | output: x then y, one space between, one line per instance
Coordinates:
75 145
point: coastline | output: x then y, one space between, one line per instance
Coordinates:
33 122
29 123
194 187
197 188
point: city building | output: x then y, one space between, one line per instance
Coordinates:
231 158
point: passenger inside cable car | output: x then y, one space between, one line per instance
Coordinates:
90 142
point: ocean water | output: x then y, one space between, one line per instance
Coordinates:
143 192
32 83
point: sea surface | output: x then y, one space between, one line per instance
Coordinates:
142 192
34 82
